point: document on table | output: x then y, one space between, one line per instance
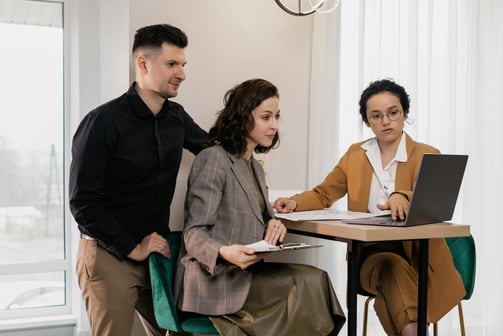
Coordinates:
325 214
264 246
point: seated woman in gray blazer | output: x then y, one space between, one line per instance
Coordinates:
227 208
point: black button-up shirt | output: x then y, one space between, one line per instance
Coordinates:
125 161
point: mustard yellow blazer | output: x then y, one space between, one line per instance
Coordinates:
352 175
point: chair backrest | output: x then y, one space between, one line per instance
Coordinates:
162 272
464 256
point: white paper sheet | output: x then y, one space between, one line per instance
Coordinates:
325 214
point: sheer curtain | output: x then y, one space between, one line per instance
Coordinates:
448 56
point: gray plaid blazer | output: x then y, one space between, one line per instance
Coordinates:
221 208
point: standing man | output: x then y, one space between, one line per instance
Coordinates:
125 159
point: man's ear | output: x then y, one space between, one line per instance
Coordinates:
141 64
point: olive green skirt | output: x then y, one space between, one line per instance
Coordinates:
285 299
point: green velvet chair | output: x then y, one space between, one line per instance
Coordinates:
464 256
463 253
162 272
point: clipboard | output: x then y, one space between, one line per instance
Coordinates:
263 246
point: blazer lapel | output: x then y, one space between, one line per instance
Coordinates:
245 180
403 171
263 187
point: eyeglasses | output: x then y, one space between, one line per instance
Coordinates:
377 118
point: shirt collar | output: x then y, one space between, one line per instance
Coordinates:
140 109
372 148
401 152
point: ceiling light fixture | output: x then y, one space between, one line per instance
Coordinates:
307 7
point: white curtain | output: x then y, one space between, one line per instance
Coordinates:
449 56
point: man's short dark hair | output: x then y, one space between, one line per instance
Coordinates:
155 35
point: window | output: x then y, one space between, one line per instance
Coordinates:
33 262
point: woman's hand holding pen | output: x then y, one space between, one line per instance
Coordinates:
285 205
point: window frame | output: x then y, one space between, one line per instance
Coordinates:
9 318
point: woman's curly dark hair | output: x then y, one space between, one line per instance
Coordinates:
380 86
235 120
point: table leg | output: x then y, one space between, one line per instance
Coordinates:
422 287
352 286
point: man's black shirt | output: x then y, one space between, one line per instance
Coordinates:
125 161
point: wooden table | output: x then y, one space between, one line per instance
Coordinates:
355 234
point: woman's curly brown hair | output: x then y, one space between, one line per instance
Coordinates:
235 120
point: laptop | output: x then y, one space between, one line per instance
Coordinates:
435 192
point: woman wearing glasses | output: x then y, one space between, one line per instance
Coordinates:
378 176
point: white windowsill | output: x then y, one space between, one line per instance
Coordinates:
38 322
